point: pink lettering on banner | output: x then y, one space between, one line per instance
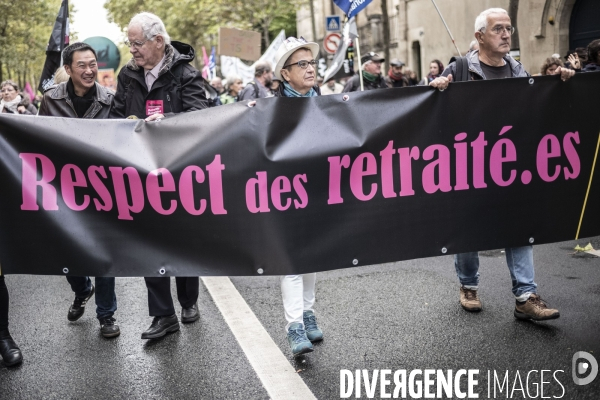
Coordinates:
359 171
281 185
67 186
259 184
387 173
461 162
335 178
406 157
441 165
93 172
215 182
154 189
549 147
300 191
503 151
572 155
29 182
186 189
135 190
478 146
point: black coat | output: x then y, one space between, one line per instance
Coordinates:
353 84
179 85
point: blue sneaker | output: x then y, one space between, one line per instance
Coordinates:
313 333
298 341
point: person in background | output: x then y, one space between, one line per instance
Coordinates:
258 88
411 76
550 66
593 57
331 87
371 72
296 67
233 87
217 83
395 77
274 87
60 75
435 70
474 45
14 102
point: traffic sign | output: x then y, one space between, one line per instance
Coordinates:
331 42
333 23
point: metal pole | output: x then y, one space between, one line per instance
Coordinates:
448 29
362 87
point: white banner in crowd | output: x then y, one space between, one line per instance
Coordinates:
235 66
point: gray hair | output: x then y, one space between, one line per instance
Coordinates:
474 45
261 67
151 25
481 20
230 80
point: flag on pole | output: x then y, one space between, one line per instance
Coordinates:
59 39
352 7
29 90
349 33
212 64
206 67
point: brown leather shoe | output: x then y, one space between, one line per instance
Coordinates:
469 300
535 309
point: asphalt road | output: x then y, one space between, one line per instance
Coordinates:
398 316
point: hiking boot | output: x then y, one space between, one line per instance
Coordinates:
108 328
78 307
535 309
469 300
298 341
313 333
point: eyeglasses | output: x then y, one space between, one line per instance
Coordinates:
137 44
302 64
498 30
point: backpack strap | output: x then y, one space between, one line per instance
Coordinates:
462 70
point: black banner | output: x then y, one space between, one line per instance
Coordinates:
297 185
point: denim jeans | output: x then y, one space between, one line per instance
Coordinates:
106 299
520 265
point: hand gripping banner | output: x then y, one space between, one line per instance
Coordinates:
298 185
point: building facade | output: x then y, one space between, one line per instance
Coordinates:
417 34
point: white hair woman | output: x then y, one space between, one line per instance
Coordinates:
296 68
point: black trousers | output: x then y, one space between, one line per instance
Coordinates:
160 302
3 304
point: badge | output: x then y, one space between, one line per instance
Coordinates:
154 107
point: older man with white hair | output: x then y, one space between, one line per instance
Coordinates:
493 32
159 80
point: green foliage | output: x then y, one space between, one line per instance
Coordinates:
25 28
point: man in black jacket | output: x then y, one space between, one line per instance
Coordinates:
159 80
371 71
82 97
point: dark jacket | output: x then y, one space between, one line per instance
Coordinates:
29 108
475 72
353 84
57 103
391 83
179 85
591 67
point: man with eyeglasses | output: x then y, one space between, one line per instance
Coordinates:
371 72
82 97
159 80
493 32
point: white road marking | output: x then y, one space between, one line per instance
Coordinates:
273 369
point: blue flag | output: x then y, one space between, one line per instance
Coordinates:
351 7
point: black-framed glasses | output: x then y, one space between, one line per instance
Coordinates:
302 64
499 29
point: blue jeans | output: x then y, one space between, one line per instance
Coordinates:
520 265
106 299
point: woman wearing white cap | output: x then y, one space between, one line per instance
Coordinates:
296 68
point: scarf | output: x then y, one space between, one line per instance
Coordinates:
81 104
395 77
289 91
370 77
12 105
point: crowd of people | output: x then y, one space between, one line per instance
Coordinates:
160 80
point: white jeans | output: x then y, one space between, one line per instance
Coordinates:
298 293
